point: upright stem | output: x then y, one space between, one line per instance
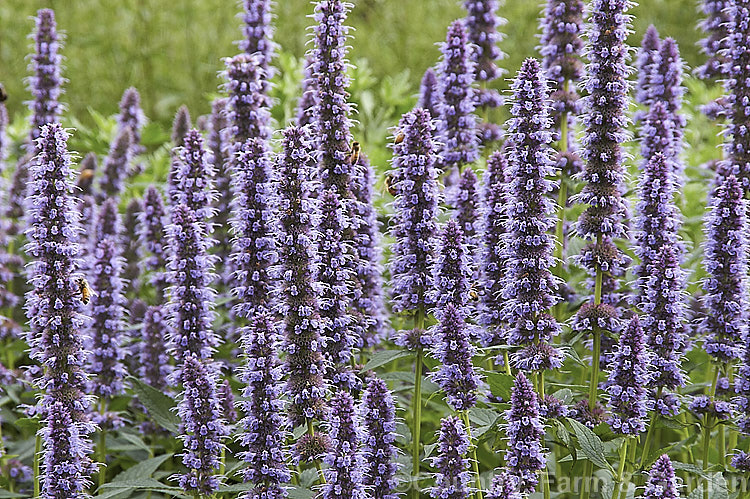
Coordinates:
417 408
474 461
707 422
102 447
620 469
506 359
562 201
311 432
37 459
649 434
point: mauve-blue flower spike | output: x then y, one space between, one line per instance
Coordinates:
662 482
737 88
257 29
525 455
132 117
646 63
378 416
45 84
115 167
504 486
452 475
428 93
452 268
714 45
344 475
193 170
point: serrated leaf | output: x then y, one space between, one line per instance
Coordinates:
300 493
590 444
158 404
500 384
384 357
562 434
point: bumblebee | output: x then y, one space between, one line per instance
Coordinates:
389 184
3 93
399 138
86 175
354 153
84 290
473 293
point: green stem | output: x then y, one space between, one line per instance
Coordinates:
37 459
474 461
506 359
630 459
620 469
650 433
417 417
707 422
101 449
321 475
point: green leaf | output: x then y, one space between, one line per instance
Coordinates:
300 493
136 440
590 444
717 488
562 434
384 357
28 423
500 384
160 406
8 494
237 487
142 469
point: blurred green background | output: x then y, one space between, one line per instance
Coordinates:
171 50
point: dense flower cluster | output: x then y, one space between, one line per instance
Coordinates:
737 86
378 416
248 106
151 229
45 84
308 94
452 268
258 31
662 482
628 377
714 45
153 360
504 486
298 302
263 424
467 206
416 208
344 458
646 63
116 164
525 455
457 124
193 171
452 477
725 260
456 375
131 117
131 246
428 93
529 284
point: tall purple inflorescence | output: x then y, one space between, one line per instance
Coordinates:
344 475
131 116
153 359
115 167
714 45
456 375
628 377
525 455
451 268
191 298
725 260
203 428
131 248
151 234
452 477
737 87
379 451
107 327
46 82
662 482
416 208
306 102
504 486
428 93
646 63
296 272
529 285
467 205
254 246
561 42
193 170
263 436
180 125
257 29
222 178
369 304
457 124
492 268
53 308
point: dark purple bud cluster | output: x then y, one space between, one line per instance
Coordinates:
428 93
131 117
646 64
115 167
662 482
181 125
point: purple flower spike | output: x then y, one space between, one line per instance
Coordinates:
627 382
46 82
203 428
254 247
191 298
151 227
494 199
248 107
108 222
308 97
332 110
457 124
296 271
725 261
378 416
530 286
714 45
737 87
428 93
370 302
181 125
264 427
416 208
258 32
66 461
452 478
115 167
222 176
662 482
344 475
452 268
193 170
525 455
646 64
482 23
107 309
456 375
504 486
742 387
153 359
467 205
561 42
132 246
131 116
741 461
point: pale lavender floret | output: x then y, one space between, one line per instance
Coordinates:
662 482
530 287
189 271
452 268
725 260
115 167
369 304
344 475
297 291
646 63
193 170
153 359
203 428
132 117
452 477
457 124
107 326
628 378
504 486
456 375
737 88
377 413
416 207
254 248
525 455
264 428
